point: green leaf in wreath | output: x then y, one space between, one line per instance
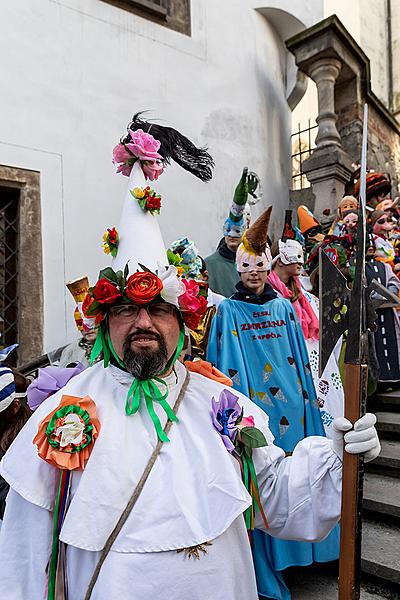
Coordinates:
126 271
109 274
252 437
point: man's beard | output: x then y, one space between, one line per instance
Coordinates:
145 363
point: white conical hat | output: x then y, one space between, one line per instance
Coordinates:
140 239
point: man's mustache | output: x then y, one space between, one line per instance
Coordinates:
139 333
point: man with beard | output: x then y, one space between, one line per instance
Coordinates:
133 487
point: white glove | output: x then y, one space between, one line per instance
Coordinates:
362 439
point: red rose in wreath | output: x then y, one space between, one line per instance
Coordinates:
153 203
143 287
105 292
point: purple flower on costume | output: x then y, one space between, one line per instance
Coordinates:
48 382
224 415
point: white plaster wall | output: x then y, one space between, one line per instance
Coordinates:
73 73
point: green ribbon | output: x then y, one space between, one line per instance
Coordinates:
145 389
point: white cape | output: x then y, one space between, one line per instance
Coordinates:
193 495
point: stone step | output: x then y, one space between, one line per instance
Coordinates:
388 462
382 495
388 422
386 401
380 551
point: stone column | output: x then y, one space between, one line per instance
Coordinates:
325 72
329 167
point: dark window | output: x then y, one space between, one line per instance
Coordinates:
9 219
174 14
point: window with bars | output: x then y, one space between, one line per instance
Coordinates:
174 14
303 143
9 219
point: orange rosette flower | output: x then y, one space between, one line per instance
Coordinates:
142 287
66 436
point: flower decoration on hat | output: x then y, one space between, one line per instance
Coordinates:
147 199
110 242
140 146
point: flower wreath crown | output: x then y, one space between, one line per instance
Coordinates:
143 287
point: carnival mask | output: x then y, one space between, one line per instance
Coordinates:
291 252
348 203
232 229
383 225
246 261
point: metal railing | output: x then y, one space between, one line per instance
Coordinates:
303 143
9 220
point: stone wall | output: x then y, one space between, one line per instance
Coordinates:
383 139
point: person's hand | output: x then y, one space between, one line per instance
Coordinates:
360 439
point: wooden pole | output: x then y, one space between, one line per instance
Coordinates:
355 388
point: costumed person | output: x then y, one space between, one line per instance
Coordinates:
79 350
221 266
133 487
378 187
350 220
185 256
382 226
387 333
257 340
346 203
284 278
14 413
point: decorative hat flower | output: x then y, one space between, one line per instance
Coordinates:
190 299
143 287
172 286
144 147
66 436
147 199
192 318
110 242
105 292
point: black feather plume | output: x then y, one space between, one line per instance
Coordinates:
176 146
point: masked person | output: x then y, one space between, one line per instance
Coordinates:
184 254
256 338
382 226
221 267
387 332
133 487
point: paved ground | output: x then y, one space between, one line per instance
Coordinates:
320 583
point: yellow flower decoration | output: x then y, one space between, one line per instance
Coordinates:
138 192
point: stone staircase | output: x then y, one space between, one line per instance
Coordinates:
381 516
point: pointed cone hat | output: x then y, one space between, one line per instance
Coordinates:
306 219
256 237
235 224
140 239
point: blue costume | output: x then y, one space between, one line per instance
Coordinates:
258 342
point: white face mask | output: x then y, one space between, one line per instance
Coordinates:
246 261
291 252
